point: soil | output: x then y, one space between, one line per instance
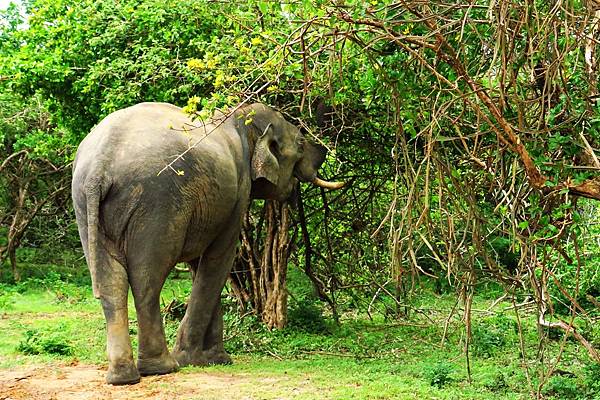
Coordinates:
79 382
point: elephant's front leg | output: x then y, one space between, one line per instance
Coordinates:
202 324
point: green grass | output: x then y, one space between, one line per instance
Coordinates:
344 378
359 359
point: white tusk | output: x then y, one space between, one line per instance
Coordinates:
328 185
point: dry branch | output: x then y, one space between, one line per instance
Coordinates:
504 130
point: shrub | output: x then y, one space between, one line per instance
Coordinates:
174 310
307 317
592 379
491 334
37 342
562 387
439 375
497 383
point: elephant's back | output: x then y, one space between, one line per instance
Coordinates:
138 126
147 137
157 169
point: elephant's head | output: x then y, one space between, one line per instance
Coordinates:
280 154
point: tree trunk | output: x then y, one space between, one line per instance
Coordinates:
590 48
258 278
32 185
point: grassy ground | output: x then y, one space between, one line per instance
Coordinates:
50 325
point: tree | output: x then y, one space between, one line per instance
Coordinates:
496 144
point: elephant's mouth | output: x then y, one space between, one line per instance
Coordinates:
263 189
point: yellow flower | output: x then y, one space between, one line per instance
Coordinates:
219 79
211 63
195 64
256 41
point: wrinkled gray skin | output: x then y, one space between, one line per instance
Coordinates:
136 224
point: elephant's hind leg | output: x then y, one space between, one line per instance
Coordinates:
153 355
113 288
214 351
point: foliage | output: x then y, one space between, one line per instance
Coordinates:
468 135
34 178
491 335
498 383
359 357
307 317
577 277
36 342
439 374
592 379
562 387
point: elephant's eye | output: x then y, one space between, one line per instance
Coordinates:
274 147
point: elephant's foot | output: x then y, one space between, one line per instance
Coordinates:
186 357
217 356
157 366
122 374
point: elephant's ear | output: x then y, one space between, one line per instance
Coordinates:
312 158
264 162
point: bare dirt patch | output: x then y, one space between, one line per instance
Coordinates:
83 382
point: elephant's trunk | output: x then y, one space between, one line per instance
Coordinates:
328 185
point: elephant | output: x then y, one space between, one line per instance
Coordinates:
152 188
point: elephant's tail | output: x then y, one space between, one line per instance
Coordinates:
93 193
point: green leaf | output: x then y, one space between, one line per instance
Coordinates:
523 225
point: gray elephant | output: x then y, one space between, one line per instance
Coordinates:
137 219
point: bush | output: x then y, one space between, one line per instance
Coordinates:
491 334
497 383
6 301
562 387
439 375
307 317
174 310
592 379
246 334
37 342
60 285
